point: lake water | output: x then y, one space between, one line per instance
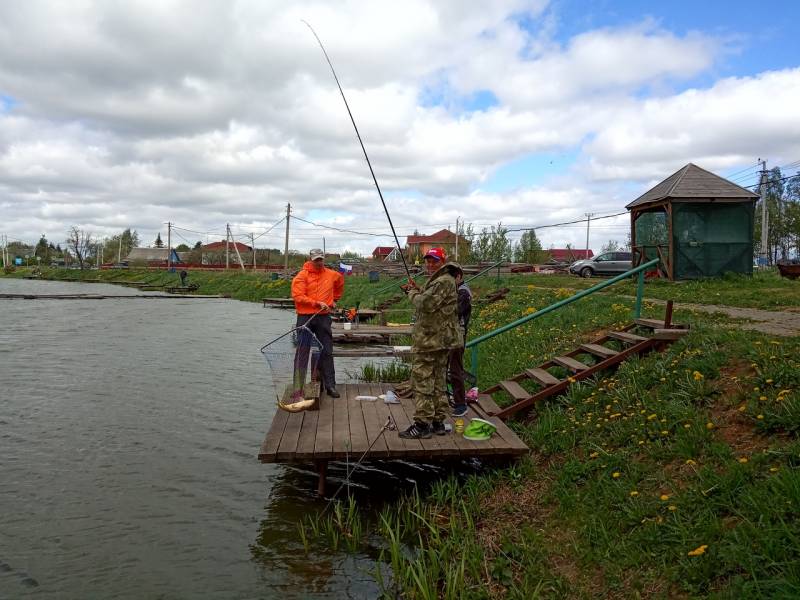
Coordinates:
129 430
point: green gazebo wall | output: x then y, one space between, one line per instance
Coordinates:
712 238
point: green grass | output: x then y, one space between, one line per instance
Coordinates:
676 476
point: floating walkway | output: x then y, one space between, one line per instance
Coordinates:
369 333
344 428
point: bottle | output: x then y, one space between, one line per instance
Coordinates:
459 423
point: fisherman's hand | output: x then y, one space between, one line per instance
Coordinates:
323 306
412 284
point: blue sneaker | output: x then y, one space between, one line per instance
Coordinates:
459 410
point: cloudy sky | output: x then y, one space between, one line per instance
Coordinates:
133 114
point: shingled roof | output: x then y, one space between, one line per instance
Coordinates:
695 184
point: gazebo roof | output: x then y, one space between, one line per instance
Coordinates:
694 184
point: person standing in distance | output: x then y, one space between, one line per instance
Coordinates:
436 333
315 290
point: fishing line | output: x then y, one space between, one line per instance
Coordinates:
369 164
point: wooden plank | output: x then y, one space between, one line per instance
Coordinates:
403 415
542 377
516 390
291 435
598 350
323 442
628 338
651 323
570 363
358 431
373 423
308 436
669 334
395 446
341 425
274 435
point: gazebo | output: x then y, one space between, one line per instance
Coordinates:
697 223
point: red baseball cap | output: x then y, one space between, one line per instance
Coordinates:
436 253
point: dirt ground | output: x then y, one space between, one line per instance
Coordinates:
773 322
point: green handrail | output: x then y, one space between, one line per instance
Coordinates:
582 294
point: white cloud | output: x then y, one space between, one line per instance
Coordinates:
131 115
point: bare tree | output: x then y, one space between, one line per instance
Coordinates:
80 242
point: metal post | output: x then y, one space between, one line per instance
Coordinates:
588 220
764 249
253 247
227 245
637 312
169 246
286 243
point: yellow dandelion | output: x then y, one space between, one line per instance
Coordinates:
664 497
762 398
759 417
769 380
700 550
742 408
672 508
615 474
686 425
651 417
594 455
773 469
690 462
634 493
709 425
743 460
697 375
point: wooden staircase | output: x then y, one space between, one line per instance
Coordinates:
652 334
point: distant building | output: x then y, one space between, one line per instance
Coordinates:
152 257
385 253
214 253
418 245
568 255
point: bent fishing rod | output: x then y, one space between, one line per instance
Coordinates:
358 135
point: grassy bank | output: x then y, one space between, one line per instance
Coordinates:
676 476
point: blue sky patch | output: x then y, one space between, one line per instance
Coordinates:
7 103
528 170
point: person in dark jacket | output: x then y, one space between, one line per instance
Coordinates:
456 361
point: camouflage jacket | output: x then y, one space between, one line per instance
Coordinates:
436 326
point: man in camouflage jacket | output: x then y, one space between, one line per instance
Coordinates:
436 332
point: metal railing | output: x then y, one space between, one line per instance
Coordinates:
474 343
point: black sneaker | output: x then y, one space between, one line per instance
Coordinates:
333 393
459 410
416 431
438 428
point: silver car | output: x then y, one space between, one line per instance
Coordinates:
608 263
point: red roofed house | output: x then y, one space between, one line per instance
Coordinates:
418 245
570 255
214 253
384 253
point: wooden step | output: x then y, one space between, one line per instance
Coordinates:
570 363
516 390
628 338
669 334
543 377
599 350
651 323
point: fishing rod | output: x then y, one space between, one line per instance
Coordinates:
369 164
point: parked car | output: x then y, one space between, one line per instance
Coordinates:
608 263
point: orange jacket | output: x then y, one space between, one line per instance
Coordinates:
311 286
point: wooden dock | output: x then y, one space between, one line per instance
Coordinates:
344 428
374 351
103 297
381 334
278 302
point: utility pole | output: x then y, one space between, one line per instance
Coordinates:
286 243
119 251
588 220
456 252
253 247
169 246
227 244
763 253
323 249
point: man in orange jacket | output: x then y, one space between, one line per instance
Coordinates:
315 290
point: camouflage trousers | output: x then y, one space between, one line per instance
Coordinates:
428 373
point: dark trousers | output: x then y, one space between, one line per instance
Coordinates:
455 375
320 326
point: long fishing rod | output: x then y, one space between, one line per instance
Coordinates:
369 164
